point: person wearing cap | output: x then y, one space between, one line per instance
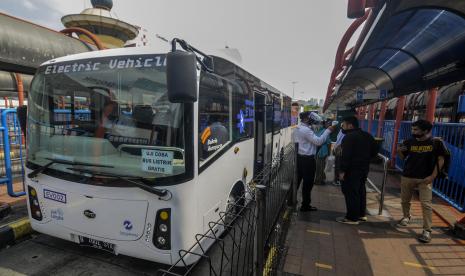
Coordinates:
306 165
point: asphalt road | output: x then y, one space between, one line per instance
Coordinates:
45 255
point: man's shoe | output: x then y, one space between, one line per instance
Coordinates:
308 208
363 219
404 222
425 237
347 221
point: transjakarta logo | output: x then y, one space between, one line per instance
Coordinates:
93 65
127 225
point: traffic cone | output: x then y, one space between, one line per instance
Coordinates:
459 228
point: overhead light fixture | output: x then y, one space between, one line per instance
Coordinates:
441 71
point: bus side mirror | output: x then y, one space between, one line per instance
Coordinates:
21 113
181 77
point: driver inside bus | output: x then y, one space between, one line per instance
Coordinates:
108 119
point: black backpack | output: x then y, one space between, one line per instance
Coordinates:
440 147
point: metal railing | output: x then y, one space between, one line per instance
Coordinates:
13 152
452 189
254 228
388 136
381 190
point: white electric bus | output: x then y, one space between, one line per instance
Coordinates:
135 152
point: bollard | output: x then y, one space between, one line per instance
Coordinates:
381 200
295 185
292 196
260 231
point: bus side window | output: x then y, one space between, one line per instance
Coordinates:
215 120
276 115
243 111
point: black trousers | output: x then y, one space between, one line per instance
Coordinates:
306 166
354 190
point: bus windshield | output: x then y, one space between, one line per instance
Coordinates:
112 111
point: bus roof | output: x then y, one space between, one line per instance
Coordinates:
145 50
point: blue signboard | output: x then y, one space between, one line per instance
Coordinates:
359 95
382 94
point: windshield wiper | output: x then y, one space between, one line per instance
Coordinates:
131 179
39 170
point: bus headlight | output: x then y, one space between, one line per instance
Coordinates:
163 227
36 213
161 240
161 230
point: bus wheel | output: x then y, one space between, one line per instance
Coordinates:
236 201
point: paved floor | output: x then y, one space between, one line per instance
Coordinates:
317 245
43 255
5 198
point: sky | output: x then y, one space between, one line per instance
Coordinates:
280 41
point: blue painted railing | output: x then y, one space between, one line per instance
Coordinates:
11 138
387 134
452 189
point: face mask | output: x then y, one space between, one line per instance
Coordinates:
417 135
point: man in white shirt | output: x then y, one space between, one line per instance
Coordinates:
306 165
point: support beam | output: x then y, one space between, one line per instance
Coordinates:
431 105
355 8
382 114
20 87
91 36
399 117
341 49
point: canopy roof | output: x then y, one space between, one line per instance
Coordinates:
412 46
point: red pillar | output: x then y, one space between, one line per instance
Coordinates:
356 8
382 114
431 105
61 102
371 113
19 84
6 101
399 117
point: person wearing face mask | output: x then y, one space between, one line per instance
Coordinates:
423 156
358 148
322 154
306 164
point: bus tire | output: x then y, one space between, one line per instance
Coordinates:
236 199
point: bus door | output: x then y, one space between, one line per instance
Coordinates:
277 113
262 144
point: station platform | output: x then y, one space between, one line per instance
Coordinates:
5 198
318 245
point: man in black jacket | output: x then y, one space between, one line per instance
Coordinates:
358 148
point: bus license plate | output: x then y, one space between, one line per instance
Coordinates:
109 247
